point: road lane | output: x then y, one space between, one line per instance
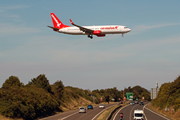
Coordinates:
128 112
64 114
89 115
75 115
151 115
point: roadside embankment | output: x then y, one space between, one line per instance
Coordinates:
169 112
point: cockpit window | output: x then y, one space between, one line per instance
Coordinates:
125 27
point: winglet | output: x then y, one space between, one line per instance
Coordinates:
71 22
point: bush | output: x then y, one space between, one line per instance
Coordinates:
12 81
27 102
169 95
42 82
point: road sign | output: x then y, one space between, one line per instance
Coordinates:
101 99
129 95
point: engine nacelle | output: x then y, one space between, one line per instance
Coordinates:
97 32
101 35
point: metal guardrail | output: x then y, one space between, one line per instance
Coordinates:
110 115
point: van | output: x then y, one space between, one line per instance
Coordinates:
138 115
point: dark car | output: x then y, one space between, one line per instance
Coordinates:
141 103
89 107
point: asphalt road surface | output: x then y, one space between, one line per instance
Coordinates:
75 115
129 110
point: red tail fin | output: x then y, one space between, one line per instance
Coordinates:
56 22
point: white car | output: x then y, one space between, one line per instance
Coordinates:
131 103
101 106
82 110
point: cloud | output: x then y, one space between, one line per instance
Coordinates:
10 29
2 9
139 28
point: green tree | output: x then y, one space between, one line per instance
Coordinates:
146 95
177 104
168 95
58 89
107 99
42 82
12 81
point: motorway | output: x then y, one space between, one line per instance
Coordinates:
129 110
75 115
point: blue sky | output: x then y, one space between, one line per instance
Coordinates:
149 53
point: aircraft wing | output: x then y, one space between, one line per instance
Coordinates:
56 29
86 30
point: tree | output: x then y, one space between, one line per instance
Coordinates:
58 89
42 82
12 81
145 95
107 99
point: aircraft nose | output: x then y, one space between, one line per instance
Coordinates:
129 30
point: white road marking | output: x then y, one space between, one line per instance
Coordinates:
131 111
144 112
68 116
52 116
118 111
71 115
158 114
101 112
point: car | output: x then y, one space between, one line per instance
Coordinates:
101 106
136 101
89 107
82 110
131 103
141 103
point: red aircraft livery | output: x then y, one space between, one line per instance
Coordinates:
99 31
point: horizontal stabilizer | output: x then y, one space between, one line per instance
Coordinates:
55 29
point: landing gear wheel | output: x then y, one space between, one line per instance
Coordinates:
90 36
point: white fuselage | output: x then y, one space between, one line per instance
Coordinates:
108 29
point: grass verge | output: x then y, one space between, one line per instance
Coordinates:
106 113
6 118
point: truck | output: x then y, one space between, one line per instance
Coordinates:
138 115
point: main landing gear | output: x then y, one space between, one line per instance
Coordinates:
90 36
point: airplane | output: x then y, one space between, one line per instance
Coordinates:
99 31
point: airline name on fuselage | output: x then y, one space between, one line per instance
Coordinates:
102 28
